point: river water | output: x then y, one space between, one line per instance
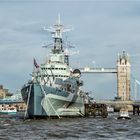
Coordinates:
70 128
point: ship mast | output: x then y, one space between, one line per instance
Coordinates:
56 32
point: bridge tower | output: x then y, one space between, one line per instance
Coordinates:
123 77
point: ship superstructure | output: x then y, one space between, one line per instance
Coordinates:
55 88
57 64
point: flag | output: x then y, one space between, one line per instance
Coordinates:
35 64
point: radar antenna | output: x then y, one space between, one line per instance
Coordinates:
58 29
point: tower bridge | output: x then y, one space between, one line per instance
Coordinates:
122 71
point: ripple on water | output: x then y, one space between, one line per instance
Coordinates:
70 128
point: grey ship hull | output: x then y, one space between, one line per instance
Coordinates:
45 101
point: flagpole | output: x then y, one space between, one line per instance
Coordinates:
33 68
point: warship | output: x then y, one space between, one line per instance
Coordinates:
55 88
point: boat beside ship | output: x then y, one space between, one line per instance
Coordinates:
55 88
110 109
8 109
123 114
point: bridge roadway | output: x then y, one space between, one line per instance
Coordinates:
117 105
108 102
116 102
98 70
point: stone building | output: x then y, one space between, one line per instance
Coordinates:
4 92
123 77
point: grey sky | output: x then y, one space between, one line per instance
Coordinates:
102 29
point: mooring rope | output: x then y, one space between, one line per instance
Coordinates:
25 115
